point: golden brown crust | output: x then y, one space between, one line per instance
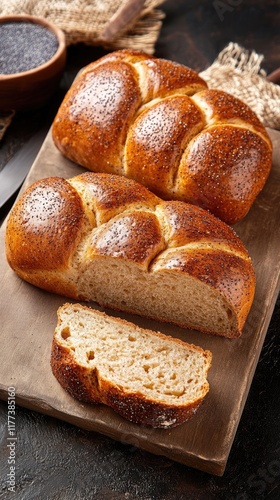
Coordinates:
157 77
48 216
223 107
241 161
140 411
161 78
135 237
154 163
188 223
98 114
106 199
155 121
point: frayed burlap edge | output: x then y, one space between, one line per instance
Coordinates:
238 71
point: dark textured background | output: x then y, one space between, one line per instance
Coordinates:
57 461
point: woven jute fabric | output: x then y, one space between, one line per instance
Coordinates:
239 72
85 20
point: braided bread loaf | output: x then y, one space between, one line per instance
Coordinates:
108 239
155 121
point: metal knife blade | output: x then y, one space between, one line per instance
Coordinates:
15 171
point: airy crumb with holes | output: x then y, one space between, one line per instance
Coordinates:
146 377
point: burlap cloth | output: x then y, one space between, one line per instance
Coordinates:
236 70
86 20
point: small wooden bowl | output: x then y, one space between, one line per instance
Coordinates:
33 88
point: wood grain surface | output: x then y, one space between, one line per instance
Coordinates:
28 319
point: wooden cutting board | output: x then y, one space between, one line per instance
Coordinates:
28 318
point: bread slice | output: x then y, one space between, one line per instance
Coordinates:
147 377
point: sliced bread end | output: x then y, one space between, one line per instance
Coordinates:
145 376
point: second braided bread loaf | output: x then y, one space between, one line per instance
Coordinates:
105 238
